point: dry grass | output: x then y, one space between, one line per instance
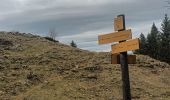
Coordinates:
34 68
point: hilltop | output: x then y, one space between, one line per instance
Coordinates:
34 68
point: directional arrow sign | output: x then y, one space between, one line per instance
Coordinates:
115 37
125 46
116 59
119 23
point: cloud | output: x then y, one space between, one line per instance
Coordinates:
79 20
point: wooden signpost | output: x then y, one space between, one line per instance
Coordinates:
119 51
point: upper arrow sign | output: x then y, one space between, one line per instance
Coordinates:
115 37
119 23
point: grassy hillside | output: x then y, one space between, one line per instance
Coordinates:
34 68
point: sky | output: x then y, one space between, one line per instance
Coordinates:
80 20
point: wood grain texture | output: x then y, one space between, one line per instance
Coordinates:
125 46
115 37
116 59
118 23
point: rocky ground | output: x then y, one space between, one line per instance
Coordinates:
34 68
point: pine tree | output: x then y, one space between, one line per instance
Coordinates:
73 44
152 42
165 39
142 44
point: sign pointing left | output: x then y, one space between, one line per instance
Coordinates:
115 37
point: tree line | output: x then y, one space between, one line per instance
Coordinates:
157 43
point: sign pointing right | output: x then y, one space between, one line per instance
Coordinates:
125 46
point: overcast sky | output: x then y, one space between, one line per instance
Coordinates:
80 20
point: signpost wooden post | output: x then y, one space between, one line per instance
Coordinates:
124 66
119 51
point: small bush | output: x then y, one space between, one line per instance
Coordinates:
50 39
5 42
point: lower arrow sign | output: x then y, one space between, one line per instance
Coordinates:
125 46
115 59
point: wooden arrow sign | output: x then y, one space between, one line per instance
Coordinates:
125 46
115 37
119 23
116 59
